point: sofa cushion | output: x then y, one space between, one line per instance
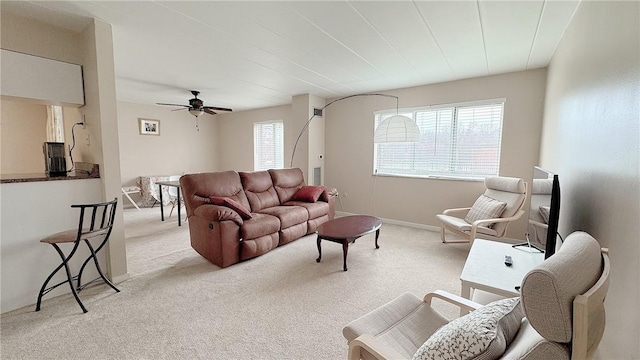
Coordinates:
259 190
259 225
312 224
286 182
484 333
232 204
315 209
308 193
292 233
255 247
288 215
485 208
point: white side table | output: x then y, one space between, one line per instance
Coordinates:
485 270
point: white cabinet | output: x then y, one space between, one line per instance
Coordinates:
33 77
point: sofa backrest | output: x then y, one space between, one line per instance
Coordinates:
259 190
286 182
196 188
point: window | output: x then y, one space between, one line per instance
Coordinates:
268 145
456 141
55 124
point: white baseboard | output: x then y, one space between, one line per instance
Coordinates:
121 278
421 226
396 222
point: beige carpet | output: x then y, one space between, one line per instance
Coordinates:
282 305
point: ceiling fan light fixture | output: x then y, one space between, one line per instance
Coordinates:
196 112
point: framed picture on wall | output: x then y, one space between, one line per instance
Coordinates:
149 126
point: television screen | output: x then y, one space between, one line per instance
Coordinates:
544 211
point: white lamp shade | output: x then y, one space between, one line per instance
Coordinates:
196 112
397 128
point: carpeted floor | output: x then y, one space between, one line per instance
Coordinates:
282 305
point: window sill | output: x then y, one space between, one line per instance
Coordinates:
432 177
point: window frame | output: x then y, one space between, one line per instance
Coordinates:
279 163
454 106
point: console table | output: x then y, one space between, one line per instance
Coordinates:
485 269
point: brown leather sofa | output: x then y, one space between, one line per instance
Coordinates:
266 217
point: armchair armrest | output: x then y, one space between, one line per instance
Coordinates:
477 223
516 216
456 210
459 301
373 346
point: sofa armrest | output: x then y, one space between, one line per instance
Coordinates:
328 194
212 212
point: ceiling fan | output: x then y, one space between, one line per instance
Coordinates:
196 106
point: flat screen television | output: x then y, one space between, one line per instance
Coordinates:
544 211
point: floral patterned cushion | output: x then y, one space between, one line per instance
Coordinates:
482 334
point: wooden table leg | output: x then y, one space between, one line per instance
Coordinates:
345 250
319 249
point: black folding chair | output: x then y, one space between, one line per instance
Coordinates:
100 224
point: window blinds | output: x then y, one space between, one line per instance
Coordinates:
455 141
268 145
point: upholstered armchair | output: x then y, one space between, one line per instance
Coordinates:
491 214
559 315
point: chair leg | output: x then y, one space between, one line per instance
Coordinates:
173 206
65 263
95 260
44 286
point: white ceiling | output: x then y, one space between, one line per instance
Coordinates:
246 55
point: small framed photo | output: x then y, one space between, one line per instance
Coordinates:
149 127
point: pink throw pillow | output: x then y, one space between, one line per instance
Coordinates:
232 204
308 193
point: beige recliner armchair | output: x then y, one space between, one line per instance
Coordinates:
559 315
489 217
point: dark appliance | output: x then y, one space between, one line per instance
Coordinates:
55 162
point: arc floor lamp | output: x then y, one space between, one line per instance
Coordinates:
396 128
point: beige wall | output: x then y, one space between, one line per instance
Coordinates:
180 148
23 131
36 38
349 148
591 139
235 143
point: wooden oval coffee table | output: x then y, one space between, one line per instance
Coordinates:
347 229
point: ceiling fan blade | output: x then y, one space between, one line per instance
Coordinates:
217 108
187 106
209 111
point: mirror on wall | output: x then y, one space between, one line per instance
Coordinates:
24 128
